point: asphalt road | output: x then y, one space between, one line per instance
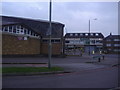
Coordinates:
84 75
99 78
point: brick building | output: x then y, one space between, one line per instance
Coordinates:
23 36
86 41
112 44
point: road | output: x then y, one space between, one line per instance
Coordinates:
99 78
83 75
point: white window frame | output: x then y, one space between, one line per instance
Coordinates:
86 34
116 39
108 45
71 34
117 45
97 34
76 34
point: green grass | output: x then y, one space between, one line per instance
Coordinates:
29 69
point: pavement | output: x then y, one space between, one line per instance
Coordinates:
70 63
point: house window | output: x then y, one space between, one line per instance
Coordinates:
71 34
109 49
71 41
81 34
116 50
57 41
108 39
93 41
67 41
96 34
77 41
86 34
45 41
91 34
76 34
108 44
116 45
116 39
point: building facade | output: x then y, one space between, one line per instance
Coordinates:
88 42
112 44
29 36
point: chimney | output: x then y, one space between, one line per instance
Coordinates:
110 33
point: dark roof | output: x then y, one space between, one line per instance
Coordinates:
39 26
84 35
112 36
8 23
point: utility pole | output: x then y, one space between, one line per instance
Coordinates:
50 33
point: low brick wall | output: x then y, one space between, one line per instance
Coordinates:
12 45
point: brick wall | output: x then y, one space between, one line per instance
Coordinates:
56 48
11 45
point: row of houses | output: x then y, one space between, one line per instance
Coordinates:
23 36
93 42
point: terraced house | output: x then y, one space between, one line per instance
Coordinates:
112 44
88 42
23 36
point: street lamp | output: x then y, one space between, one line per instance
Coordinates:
50 28
89 33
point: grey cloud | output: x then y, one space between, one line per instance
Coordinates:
74 15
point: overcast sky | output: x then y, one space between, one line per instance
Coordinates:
75 15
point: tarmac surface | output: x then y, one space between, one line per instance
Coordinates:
85 72
70 63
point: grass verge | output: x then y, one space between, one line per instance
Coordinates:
29 69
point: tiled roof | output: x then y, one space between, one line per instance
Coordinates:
39 26
84 35
112 36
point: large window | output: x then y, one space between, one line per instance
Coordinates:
18 29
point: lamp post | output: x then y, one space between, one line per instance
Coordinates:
89 38
89 33
50 28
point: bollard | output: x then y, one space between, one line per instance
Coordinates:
99 59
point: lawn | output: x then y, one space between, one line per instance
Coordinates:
29 69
